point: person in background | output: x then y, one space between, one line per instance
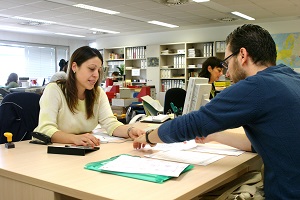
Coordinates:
12 81
264 100
70 109
115 76
213 70
62 74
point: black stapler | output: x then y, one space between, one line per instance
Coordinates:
41 138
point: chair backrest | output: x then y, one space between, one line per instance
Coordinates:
3 92
176 96
19 113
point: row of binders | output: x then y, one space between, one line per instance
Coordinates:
167 84
136 52
220 46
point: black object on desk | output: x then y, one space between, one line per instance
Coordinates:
42 138
71 150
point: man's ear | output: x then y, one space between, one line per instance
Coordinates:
209 68
244 56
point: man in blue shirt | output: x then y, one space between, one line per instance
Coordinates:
265 101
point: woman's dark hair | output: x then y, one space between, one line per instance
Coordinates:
13 77
68 86
258 42
211 61
62 64
115 73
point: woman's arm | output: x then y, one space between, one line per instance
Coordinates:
128 131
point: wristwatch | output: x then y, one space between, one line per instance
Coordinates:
147 137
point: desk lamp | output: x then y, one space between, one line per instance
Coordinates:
9 143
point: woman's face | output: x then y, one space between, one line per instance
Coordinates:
215 73
87 74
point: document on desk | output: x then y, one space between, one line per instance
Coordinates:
189 157
217 149
188 145
131 164
105 138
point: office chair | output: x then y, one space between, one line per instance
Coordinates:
176 96
19 113
4 92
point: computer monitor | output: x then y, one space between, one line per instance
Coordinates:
197 94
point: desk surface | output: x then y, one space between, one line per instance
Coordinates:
65 174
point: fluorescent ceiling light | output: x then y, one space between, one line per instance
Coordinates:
102 30
19 29
242 15
200 1
34 20
97 9
66 34
163 24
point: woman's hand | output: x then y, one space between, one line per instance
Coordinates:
86 139
135 132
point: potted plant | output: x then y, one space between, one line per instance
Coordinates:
122 70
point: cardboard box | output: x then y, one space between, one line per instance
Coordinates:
119 110
123 102
126 93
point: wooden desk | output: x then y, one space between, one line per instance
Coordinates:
28 172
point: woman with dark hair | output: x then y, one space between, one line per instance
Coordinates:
213 70
62 74
12 81
72 108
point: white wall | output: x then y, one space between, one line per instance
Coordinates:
191 35
32 38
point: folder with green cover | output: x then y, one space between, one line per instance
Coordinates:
95 166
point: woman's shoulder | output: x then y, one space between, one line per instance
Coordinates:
12 85
53 86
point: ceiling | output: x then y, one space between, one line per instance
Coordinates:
134 15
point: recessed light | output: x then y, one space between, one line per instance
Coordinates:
34 20
97 9
201 1
242 15
66 34
105 31
163 24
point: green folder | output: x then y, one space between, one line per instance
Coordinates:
95 166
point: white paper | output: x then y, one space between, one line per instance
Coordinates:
104 137
135 72
174 146
131 164
218 149
189 157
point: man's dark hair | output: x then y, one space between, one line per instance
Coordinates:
258 42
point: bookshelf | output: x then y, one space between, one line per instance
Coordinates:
113 58
172 66
180 61
136 64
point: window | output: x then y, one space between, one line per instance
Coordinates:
36 61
